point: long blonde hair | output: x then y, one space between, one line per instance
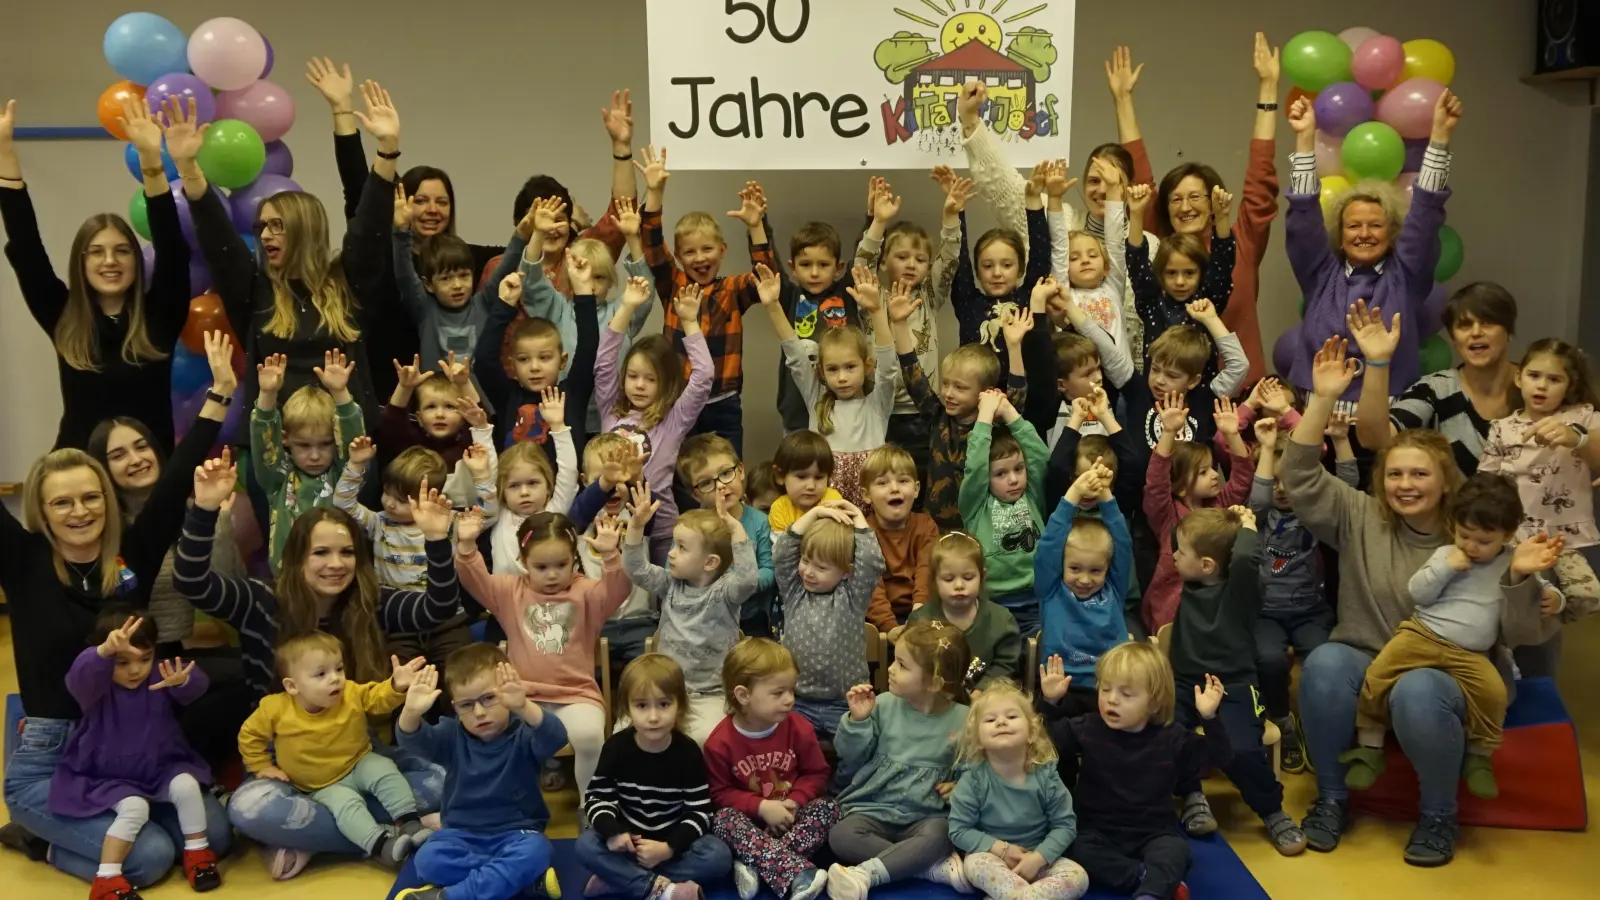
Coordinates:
1041 751
74 334
306 259
36 520
852 338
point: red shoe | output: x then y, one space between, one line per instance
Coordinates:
201 868
1182 893
114 888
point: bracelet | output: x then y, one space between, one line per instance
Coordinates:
218 398
1376 364
394 155
1267 107
1583 436
623 158
152 171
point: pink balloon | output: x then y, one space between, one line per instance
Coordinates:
1408 107
1355 37
264 106
1328 149
1378 62
227 53
1405 182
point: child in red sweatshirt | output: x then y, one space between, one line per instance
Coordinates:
768 776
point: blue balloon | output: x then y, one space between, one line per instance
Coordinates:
190 372
251 242
130 156
143 46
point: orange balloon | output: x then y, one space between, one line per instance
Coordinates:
1295 94
205 314
110 107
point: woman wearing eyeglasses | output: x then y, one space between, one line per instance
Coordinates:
113 324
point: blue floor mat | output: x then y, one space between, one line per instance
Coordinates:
1538 703
1217 874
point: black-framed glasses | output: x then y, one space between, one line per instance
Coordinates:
487 702
726 476
275 226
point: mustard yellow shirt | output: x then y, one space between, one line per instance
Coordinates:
315 749
783 512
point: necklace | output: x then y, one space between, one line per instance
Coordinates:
83 576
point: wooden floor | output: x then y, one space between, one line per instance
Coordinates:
1490 863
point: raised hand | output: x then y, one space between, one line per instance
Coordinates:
1226 416
1339 423
901 303
628 218
362 450
969 103
219 356
404 674
1536 554
1274 399
509 688
621 464
618 118
1080 412
476 458
637 292
607 536
1121 75
549 216
641 507
431 511
861 700
687 304
1221 205
335 371
1206 701
1056 182
1247 518
553 407
510 290
580 273
381 120
469 524
143 131
960 191
1302 118
885 204
1100 403
1331 370
1265 59
457 372
1266 434
988 403
653 167
1053 678
1376 343
1015 324
183 133
424 691
120 640
402 208
410 376
752 205
943 176
1138 197
1446 115
1201 310
1035 183
8 124
214 481
334 83
1174 412
865 291
769 287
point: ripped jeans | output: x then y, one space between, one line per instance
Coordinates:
75 843
275 814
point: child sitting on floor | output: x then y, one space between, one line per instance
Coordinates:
959 573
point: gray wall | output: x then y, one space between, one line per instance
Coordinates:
494 91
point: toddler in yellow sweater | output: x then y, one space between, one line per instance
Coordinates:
314 736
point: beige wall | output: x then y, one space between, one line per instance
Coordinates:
494 91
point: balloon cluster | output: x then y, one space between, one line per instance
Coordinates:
1374 99
223 67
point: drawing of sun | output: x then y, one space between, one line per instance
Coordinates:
965 25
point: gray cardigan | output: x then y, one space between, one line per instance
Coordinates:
825 632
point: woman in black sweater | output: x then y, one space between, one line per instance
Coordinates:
113 324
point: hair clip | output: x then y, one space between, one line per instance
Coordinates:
937 624
944 643
975 670
951 534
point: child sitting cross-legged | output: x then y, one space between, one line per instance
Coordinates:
649 806
959 573
492 846
1131 756
1010 814
905 537
711 569
1002 495
828 565
768 776
314 736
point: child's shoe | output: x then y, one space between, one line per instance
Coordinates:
594 887
283 863
1478 771
413 827
848 883
745 880
1197 817
552 884
392 850
1292 745
947 871
1286 837
808 885
200 866
113 887
426 892
674 890
1363 766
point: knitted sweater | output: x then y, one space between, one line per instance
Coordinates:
824 631
699 625
1008 532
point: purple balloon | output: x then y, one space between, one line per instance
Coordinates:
1287 350
267 69
149 261
1415 149
199 273
279 160
183 86
246 200
1433 307
1341 107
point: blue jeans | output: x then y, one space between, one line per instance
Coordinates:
1024 607
706 861
274 813
1427 714
483 866
824 715
723 417
75 843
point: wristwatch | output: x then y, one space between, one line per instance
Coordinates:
213 395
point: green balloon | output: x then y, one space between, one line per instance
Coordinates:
138 214
1451 254
1315 59
1373 150
1435 355
231 154
1302 306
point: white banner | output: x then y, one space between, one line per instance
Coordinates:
836 84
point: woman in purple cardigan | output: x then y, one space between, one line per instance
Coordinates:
1369 247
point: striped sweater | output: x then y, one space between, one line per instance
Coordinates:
659 796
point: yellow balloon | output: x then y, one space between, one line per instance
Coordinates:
1427 58
1332 187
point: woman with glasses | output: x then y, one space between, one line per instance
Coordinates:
113 324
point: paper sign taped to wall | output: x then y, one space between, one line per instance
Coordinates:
853 84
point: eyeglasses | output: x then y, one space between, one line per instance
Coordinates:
273 225
707 485
92 501
487 701
1195 199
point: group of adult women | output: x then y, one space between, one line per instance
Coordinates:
98 525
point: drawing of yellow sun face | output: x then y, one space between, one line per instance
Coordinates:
970 26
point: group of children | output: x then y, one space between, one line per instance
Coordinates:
960 521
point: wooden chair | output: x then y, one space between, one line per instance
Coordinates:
1271 737
1030 666
878 656
602 659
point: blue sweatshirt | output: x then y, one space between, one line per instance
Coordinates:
487 784
1081 630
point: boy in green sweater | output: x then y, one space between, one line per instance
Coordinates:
1002 503
298 453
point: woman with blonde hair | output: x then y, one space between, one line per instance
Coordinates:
113 323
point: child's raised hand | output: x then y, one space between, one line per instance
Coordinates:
851 513
769 287
1266 433
509 688
1056 182
861 700
335 371
1221 205
1339 423
549 216
901 303
402 208
404 674
607 536
476 458
511 289
1034 186
469 524
120 640
618 118
1247 518
1138 197
1053 679
1100 403
1226 416
1107 480
1274 399
1376 343
1084 487
1201 309
1206 701
471 412
362 450
409 376
423 692
1174 412
1015 324
628 218
687 303
988 404
752 205
553 407
637 293
958 194
641 506
885 204
269 372
219 356
620 465
431 511
653 168
1080 413
381 120
458 372
943 176
1302 118
865 291
1331 370
1536 554
580 273
214 481
1043 291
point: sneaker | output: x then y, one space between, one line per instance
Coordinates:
392 850
1286 837
1324 823
947 871
1478 771
682 890
594 887
417 831
847 883
426 892
745 880
200 867
283 863
1291 746
114 887
552 884
1181 892
1363 765
1433 842
554 776
808 885
24 841
1197 817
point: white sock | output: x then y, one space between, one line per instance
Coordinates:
108 870
196 844
876 873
